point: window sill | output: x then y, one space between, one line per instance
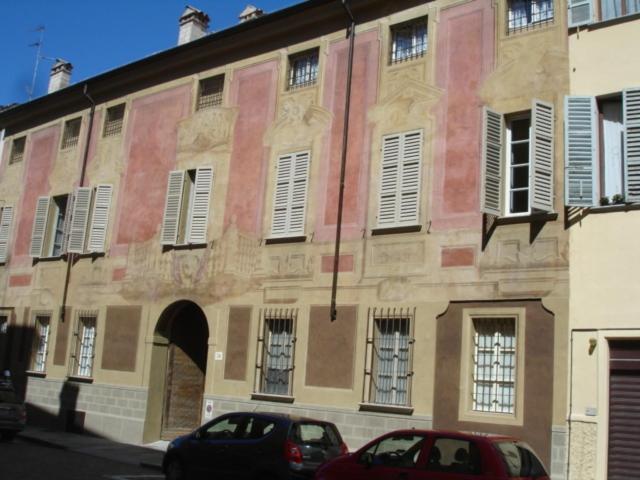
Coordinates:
491 418
377 407
184 246
531 218
392 230
50 259
33 373
277 240
301 87
79 379
268 397
618 207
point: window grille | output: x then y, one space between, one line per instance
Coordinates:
303 69
42 343
85 343
278 347
409 41
210 94
17 150
71 133
494 365
114 121
526 14
390 346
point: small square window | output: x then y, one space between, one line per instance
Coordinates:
408 40
71 133
526 14
113 121
17 150
303 69
210 92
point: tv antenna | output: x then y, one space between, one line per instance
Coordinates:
38 45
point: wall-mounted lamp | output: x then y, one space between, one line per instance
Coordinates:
593 342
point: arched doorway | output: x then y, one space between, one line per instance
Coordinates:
182 337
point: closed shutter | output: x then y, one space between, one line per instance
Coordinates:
389 180
39 227
542 153
631 108
200 208
492 160
290 195
580 143
299 185
79 219
172 208
580 12
5 232
100 218
410 178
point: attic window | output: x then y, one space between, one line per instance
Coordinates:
71 133
527 14
113 121
303 69
17 150
210 92
409 40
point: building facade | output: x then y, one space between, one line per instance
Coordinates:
168 228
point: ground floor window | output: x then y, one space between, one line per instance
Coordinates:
85 344
277 345
41 343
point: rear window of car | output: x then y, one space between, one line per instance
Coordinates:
314 433
520 460
8 396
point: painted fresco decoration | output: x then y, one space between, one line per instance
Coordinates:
299 123
205 130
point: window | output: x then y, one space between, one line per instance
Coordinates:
525 14
290 195
223 429
400 451
494 365
89 220
186 212
618 8
41 343
303 69
275 372
71 133
210 92
399 195
517 157
456 456
520 460
601 149
113 121
17 150
408 40
390 350
85 344
6 221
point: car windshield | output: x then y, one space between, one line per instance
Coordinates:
8 396
314 433
520 460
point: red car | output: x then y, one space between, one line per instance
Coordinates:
437 455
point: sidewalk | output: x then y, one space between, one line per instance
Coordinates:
149 456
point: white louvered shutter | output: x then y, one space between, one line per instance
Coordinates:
281 197
389 180
100 218
197 232
631 108
580 150
492 161
5 232
172 208
39 227
580 12
542 155
79 219
408 208
298 202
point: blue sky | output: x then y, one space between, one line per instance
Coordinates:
96 36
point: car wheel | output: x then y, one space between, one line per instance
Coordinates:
175 470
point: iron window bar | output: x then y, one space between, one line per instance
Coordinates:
277 344
523 15
409 41
303 69
210 94
71 134
114 121
42 342
17 150
85 343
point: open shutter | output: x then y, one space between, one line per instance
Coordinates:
580 12
79 219
200 208
5 231
542 153
281 199
39 227
580 144
172 208
631 108
492 160
66 226
100 218
298 203
389 181
410 178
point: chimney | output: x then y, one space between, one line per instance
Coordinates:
60 75
193 25
249 13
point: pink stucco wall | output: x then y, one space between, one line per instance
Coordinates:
150 143
253 93
465 56
364 92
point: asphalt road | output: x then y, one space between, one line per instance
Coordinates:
21 460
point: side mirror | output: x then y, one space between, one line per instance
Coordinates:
198 435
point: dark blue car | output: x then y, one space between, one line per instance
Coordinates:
254 446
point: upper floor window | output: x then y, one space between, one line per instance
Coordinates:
17 150
303 69
525 14
6 220
618 8
71 133
210 92
408 40
518 171
290 195
113 121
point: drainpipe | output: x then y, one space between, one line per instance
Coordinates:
345 137
71 256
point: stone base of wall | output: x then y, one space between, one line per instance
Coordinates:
108 411
357 428
582 457
558 467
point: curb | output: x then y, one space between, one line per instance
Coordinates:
40 441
